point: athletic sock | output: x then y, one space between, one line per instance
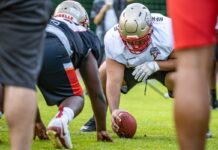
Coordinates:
66 113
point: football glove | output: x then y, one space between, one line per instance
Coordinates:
143 71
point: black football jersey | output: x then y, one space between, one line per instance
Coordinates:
81 40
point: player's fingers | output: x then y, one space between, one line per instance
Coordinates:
137 75
104 136
116 117
142 75
44 136
114 126
145 78
134 72
107 138
40 131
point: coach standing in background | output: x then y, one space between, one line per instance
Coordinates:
22 24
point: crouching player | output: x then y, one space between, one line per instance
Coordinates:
70 46
138 48
142 50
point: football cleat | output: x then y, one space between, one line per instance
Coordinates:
214 104
59 134
89 126
208 134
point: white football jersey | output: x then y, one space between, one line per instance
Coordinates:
159 49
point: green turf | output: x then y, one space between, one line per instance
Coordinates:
154 119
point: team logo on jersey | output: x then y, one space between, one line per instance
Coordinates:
154 51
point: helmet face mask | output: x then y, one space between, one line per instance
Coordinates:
72 11
137 45
135 27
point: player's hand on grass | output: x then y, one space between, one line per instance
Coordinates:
40 131
143 71
104 136
115 119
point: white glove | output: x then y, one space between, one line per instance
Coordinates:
143 71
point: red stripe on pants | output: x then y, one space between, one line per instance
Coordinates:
75 86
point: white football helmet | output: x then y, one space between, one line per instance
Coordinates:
72 11
135 27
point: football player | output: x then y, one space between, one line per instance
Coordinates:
138 48
142 46
142 49
70 46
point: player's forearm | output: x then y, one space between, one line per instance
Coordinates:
113 95
99 108
115 75
89 73
98 103
167 65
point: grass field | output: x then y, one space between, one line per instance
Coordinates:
154 119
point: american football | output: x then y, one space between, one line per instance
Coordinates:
127 126
85 73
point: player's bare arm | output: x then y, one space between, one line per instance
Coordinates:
169 64
89 73
115 74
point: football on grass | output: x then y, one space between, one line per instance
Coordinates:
127 126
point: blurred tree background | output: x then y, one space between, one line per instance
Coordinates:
153 5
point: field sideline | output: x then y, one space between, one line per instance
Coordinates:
154 119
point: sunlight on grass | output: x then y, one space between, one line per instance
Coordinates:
154 120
